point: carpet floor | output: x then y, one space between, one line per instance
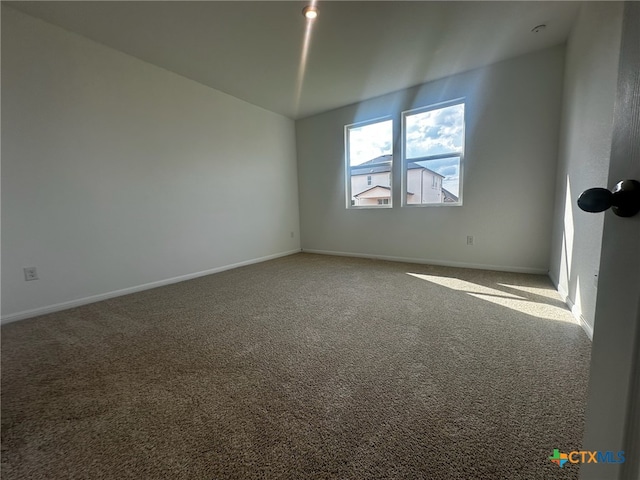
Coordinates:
303 367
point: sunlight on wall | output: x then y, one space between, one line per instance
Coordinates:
577 303
537 302
567 238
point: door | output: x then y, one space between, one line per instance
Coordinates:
613 406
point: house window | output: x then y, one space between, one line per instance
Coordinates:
432 154
368 162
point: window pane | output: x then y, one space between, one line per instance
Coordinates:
370 141
433 181
434 132
369 158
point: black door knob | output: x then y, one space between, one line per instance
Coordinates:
624 199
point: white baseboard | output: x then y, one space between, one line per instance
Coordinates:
138 288
575 311
445 263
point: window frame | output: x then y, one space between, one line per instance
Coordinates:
404 161
347 162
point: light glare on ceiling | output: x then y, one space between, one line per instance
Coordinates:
310 12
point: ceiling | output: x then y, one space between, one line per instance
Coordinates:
253 50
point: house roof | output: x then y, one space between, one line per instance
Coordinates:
369 192
413 166
369 170
381 159
382 164
379 164
448 196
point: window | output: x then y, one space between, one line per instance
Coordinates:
433 152
368 159
431 164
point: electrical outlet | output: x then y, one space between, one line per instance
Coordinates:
469 239
30 273
292 235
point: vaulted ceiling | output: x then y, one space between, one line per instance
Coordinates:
254 50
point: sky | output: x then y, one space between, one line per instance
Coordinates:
433 132
370 141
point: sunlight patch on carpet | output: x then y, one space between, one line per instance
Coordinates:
544 306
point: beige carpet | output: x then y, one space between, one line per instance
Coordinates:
303 367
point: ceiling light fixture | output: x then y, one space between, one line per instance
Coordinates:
310 12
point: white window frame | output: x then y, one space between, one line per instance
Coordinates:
347 162
404 161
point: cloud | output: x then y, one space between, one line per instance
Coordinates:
370 141
444 166
435 132
452 185
448 171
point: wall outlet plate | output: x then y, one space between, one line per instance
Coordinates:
469 239
30 273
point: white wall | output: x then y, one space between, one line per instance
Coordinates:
117 173
512 128
587 122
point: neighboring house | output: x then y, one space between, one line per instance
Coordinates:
449 197
378 195
376 172
371 184
425 185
